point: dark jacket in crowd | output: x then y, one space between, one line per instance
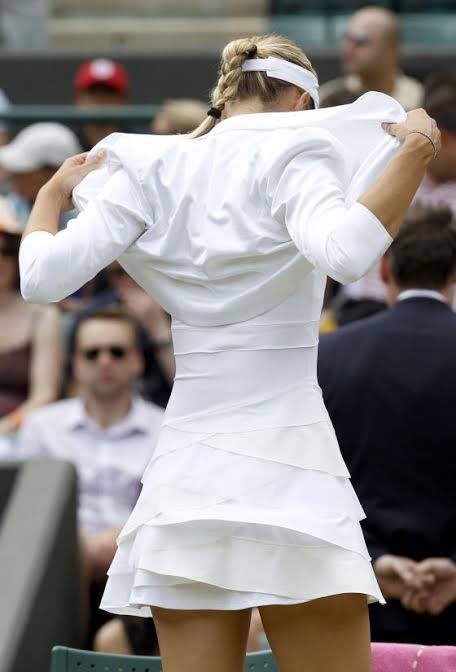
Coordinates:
389 383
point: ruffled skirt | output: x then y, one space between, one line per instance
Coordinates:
247 500
217 529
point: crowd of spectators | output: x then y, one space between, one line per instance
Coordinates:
87 380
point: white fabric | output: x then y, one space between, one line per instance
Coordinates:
109 461
421 294
234 233
286 71
163 207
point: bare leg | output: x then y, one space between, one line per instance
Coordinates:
112 638
326 635
202 640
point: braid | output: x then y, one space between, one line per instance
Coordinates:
233 84
233 57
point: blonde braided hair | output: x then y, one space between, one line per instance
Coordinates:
234 84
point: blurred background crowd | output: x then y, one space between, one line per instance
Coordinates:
86 381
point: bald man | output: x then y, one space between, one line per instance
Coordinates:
370 56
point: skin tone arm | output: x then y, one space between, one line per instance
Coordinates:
390 197
45 370
55 197
47 360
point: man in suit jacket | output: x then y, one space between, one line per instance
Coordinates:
389 383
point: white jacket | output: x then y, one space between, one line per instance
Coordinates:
224 227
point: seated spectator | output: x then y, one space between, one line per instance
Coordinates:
31 159
370 58
31 338
107 432
438 187
340 96
155 332
389 383
179 116
98 83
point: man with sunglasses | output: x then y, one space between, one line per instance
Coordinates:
370 57
108 432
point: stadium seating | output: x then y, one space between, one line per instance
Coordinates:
75 660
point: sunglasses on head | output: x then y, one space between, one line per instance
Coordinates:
360 39
116 352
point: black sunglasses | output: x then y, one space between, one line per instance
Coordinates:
116 352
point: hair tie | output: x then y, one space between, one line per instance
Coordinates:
215 112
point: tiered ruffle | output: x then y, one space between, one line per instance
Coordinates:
239 519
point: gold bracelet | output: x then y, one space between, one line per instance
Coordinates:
426 136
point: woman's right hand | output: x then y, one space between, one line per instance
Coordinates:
417 120
71 172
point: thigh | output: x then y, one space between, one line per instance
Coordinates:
330 634
202 640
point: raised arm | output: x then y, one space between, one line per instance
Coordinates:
390 197
54 264
307 194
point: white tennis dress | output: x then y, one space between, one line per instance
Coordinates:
246 500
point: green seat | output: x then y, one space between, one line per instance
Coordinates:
64 659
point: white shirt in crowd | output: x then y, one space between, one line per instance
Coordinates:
421 294
109 461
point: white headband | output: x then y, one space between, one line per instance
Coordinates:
288 72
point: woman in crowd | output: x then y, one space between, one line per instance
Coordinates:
31 339
246 501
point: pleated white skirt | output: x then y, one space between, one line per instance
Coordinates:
247 500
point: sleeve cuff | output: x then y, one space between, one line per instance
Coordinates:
372 234
364 239
32 249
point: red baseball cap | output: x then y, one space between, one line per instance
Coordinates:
102 71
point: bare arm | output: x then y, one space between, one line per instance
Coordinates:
392 194
54 264
55 196
47 360
46 367
307 184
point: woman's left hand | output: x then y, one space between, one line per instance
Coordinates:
71 172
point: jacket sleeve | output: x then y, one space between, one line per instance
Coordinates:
54 266
306 188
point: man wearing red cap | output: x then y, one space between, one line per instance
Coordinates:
100 82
